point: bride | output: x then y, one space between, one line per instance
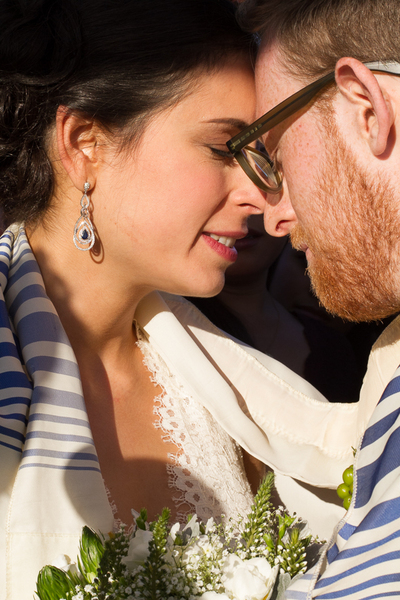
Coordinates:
116 182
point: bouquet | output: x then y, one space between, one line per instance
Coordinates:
249 559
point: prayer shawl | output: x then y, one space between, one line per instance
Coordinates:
362 560
50 480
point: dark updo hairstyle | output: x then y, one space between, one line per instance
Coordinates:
117 61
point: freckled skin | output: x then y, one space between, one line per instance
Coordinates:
337 198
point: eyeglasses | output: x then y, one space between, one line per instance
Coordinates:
255 161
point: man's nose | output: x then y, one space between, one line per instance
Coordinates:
279 216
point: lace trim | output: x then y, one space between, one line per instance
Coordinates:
118 523
207 472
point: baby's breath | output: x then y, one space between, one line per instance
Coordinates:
181 562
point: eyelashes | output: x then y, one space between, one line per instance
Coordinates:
223 154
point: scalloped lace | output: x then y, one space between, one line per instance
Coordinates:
207 472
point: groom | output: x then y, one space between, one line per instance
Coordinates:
333 183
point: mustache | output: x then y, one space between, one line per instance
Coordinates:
298 237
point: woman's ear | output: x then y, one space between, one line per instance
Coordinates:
374 108
77 146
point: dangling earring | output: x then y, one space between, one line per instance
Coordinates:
84 237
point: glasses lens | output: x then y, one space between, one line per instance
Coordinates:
263 166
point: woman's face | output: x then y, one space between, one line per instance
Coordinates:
167 213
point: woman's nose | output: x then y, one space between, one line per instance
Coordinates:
248 194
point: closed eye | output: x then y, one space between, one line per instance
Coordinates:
222 153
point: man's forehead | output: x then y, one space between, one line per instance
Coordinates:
273 83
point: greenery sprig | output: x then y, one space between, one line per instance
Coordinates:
151 580
183 562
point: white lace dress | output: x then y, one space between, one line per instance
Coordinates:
207 473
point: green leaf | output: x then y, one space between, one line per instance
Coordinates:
142 519
53 584
294 536
285 521
91 550
178 540
269 541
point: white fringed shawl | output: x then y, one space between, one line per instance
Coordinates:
50 481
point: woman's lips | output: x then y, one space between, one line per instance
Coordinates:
222 245
226 240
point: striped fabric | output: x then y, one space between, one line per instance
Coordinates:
39 375
362 560
50 481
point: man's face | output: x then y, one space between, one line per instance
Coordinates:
351 245
345 219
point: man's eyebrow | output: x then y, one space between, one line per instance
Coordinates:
233 123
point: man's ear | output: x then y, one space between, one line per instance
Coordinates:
77 146
375 112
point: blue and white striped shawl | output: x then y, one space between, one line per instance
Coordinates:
48 463
362 560
29 361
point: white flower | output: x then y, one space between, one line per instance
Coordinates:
174 530
194 526
248 579
190 534
197 549
138 549
64 563
210 525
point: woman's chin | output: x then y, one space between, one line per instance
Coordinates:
206 291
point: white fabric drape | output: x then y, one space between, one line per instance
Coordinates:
50 481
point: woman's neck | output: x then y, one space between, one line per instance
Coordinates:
93 300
